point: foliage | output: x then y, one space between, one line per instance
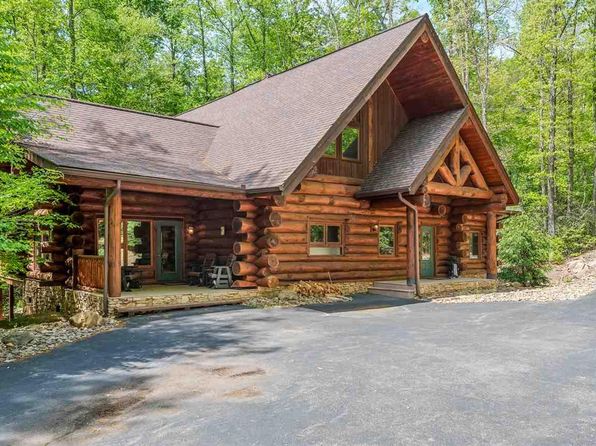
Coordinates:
22 189
523 251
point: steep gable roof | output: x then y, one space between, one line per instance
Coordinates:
411 152
268 129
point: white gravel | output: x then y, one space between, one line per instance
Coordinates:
41 338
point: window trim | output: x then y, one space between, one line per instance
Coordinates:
325 243
479 255
394 229
354 124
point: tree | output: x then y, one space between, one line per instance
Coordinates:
22 189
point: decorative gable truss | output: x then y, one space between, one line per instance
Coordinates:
457 174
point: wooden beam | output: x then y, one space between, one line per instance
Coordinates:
98 183
372 159
455 161
491 245
464 173
478 209
114 246
456 191
447 175
475 175
411 246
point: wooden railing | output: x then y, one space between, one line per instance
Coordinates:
89 272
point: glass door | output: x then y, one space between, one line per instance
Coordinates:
427 251
169 251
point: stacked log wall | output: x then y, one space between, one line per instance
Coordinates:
461 227
326 199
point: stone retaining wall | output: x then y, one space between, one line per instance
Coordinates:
447 288
40 299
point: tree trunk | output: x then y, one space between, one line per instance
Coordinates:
203 50
550 164
73 49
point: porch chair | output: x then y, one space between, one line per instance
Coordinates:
196 271
131 278
208 263
220 276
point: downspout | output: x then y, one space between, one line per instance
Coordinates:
105 245
416 245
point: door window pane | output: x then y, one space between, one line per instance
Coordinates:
387 240
139 243
168 249
426 247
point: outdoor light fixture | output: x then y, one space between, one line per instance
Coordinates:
190 230
374 228
222 230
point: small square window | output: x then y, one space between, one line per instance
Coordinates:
474 245
325 240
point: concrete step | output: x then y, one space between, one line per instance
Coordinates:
395 286
391 292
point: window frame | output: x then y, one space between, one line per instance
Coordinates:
394 230
325 243
354 124
124 240
471 255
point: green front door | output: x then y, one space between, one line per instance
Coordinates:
427 251
169 250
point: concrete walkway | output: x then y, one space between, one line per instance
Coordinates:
501 373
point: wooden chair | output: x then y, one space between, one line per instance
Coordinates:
208 264
220 276
196 271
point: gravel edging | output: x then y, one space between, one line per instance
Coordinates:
42 338
561 291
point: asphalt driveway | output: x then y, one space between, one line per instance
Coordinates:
499 373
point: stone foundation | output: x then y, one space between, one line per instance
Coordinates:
40 299
447 288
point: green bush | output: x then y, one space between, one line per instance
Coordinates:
524 250
574 240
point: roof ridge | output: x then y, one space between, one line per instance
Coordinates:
423 16
139 112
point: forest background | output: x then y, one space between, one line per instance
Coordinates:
528 66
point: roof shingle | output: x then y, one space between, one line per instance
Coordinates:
409 153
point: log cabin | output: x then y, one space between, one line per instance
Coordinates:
368 163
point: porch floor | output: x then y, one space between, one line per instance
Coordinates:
159 297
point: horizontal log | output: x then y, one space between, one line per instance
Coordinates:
291 238
270 219
271 261
480 209
268 282
267 241
318 188
456 191
217 214
273 200
390 263
245 206
368 239
243 225
51 247
286 227
288 249
243 284
244 268
336 179
74 241
341 275
244 248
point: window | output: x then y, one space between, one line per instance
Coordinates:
325 239
136 242
39 240
347 144
387 240
474 245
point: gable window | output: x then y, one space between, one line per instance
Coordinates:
347 145
325 239
387 240
474 245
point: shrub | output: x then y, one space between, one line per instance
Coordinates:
574 240
524 250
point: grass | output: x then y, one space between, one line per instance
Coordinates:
22 320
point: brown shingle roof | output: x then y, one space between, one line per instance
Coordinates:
108 139
268 128
410 153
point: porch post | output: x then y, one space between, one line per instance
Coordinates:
491 245
113 248
411 246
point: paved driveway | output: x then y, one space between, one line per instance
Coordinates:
500 373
